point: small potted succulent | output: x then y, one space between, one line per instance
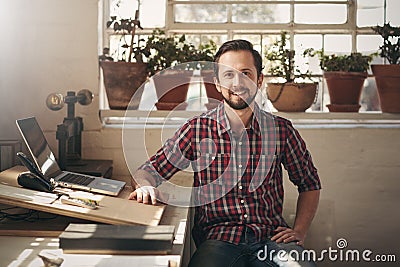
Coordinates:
345 76
290 95
387 76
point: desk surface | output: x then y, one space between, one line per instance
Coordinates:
112 210
23 250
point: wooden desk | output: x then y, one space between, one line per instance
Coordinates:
112 210
23 250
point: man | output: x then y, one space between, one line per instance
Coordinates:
236 152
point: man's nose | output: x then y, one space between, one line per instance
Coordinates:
236 79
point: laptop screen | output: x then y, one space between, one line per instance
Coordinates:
38 146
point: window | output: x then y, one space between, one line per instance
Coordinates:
337 26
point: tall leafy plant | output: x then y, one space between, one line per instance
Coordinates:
390 49
131 51
282 60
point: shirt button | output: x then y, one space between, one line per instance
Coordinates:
240 187
242 201
240 165
245 216
240 143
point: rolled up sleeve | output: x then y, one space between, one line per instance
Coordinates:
298 162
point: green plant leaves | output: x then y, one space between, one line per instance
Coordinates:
354 62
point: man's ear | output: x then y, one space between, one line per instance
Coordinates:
260 81
217 84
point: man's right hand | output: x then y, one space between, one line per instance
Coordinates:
145 194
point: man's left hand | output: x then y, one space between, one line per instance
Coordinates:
286 235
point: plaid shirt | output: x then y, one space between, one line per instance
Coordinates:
237 180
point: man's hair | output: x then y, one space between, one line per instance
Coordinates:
239 45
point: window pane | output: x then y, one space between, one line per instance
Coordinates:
218 39
337 43
196 39
369 12
152 13
268 41
116 42
393 7
305 41
261 13
254 39
368 44
320 14
123 8
116 51
200 13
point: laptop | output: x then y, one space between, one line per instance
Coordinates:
46 163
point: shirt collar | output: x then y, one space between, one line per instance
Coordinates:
223 122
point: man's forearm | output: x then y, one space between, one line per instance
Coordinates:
307 204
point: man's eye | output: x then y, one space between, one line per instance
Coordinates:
228 75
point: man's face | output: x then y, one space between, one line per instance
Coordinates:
238 81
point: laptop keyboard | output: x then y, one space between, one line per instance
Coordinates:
76 179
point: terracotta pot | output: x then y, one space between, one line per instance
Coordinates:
172 87
171 106
121 81
387 79
291 97
345 89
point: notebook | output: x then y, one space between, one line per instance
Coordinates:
46 163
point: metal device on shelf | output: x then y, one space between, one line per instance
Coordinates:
69 133
69 136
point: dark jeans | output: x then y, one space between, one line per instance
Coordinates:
214 253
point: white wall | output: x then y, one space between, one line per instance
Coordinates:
46 46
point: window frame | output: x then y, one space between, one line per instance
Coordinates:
230 29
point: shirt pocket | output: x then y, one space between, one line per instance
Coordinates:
263 168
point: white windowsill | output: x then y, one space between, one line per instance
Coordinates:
158 119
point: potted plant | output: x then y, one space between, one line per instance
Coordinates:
345 76
171 63
123 78
387 76
171 79
288 95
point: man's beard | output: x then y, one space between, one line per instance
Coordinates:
242 103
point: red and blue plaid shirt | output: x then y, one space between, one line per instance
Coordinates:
237 180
